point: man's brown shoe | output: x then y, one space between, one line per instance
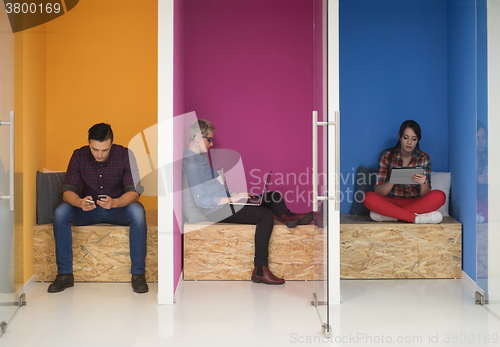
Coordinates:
262 274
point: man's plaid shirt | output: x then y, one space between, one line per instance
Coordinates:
87 177
419 159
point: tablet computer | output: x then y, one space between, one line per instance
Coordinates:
403 175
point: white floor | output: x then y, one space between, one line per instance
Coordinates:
373 313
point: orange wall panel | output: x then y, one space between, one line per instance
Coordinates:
101 67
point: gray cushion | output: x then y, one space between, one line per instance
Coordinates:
366 179
191 212
442 181
48 195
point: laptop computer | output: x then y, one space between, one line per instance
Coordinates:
256 201
403 175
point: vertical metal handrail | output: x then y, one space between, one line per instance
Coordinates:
337 160
336 184
315 160
10 197
11 176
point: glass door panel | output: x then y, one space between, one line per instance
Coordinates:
323 170
321 207
487 217
9 298
8 295
326 167
482 208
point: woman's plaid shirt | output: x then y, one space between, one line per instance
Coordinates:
419 159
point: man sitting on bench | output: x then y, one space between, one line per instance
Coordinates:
108 195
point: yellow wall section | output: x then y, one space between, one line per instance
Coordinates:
101 67
30 104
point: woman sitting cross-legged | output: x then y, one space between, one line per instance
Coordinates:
414 203
211 196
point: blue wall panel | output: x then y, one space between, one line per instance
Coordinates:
416 60
393 67
463 107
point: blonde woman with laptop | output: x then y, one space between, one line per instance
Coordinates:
414 201
212 197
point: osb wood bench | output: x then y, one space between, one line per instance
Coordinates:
377 250
224 251
101 252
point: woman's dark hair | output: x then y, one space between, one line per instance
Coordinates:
101 132
406 124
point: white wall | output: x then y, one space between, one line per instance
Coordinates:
493 153
165 155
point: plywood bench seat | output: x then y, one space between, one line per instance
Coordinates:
224 251
372 250
101 252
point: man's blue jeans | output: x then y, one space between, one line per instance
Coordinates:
132 215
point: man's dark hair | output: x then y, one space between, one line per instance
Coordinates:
101 132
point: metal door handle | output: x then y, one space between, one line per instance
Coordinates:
315 160
335 197
11 162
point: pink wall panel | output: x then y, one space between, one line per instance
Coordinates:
249 70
